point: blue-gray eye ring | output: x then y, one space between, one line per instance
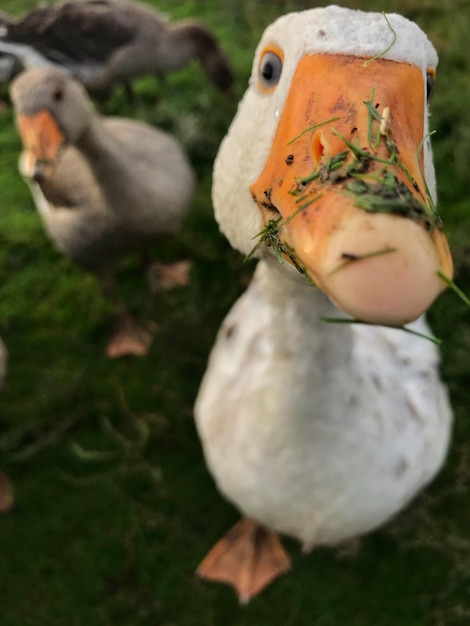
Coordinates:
270 69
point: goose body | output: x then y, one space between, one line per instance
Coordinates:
95 215
104 187
104 43
318 430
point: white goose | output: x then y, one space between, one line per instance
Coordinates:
324 431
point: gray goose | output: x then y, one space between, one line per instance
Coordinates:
104 187
104 43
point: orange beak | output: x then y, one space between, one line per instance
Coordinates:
343 195
40 135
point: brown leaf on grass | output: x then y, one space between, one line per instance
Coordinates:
6 494
164 276
131 338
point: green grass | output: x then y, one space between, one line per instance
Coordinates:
115 540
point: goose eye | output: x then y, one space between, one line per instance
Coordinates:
270 68
429 86
58 94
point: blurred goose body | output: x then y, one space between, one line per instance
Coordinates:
104 43
324 431
104 187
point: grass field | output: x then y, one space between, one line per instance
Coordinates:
114 505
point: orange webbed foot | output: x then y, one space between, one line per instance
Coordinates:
249 557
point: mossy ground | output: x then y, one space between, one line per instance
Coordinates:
115 540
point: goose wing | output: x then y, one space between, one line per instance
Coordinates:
74 32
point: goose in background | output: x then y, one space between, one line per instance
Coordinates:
105 43
316 430
104 187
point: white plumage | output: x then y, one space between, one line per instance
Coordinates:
320 431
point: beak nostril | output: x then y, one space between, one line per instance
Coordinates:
317 148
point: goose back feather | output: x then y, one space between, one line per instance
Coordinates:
107 42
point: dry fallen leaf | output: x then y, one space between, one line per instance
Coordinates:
6 494
169 276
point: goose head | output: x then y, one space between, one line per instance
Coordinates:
51 111
328 161
214 62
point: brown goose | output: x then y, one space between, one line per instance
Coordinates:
104 43
104 187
